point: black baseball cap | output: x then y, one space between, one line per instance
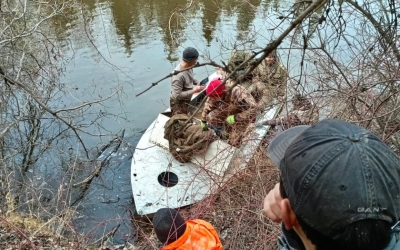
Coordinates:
335 173
168 225
190 54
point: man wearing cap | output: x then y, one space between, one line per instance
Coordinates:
228 113
339 188
177 234
269 79
258 89
183 84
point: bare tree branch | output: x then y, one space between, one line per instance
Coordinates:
53 113
179 71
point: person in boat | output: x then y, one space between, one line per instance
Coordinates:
304 113
269 79
266 82
339 188
256 89
176 233
237 58
183 84
228 114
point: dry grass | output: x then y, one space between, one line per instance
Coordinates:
30 224
235 211
27 232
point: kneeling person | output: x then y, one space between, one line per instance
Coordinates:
228 112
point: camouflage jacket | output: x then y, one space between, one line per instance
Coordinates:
239 103
309 116
274 75
296 117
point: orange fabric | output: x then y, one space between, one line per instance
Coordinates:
199 235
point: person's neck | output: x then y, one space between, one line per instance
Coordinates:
185 65
306 242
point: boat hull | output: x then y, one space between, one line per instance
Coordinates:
158 180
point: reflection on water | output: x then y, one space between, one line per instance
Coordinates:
246 15
126 45
107 204
136 21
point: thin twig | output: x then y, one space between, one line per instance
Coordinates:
47 109
179 71
265 52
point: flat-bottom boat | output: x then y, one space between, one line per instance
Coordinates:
158 180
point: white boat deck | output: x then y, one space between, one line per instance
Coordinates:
189 182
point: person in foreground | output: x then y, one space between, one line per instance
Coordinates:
183 84
339 188
176 233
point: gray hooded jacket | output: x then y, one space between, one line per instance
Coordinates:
395 240
394 243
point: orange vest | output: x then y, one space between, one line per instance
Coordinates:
199 235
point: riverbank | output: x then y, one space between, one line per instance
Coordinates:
235 212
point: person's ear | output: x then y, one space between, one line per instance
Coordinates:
289 218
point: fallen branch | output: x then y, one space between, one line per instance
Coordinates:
88 180
108 235
44 106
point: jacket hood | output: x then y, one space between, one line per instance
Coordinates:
394 242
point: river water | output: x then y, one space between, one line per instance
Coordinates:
128 45
112 50
120 48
